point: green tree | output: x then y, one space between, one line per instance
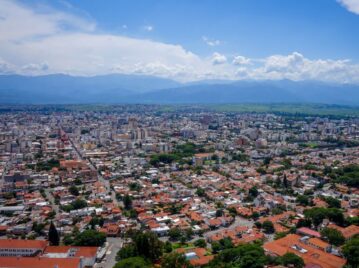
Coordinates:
174 260
267 161
317 215
189 233
304 223
90 238
232 211
216 247
335 215
175 209
96 221
79 203
243 256
200 192
333 202
73 190
54 237
285 181
353 220
168 247
68 240
279 235
126 252
226 243
303 200
38 227
201 243
148 245
292 259
219 213
255 215
258 224
134 186
268 227
175 234
133 262
127 202
253 191
351 252
333 236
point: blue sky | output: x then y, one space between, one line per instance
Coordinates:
255 28
183 40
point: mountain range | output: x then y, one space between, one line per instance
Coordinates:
119 88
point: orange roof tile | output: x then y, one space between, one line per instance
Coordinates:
35 262
311 256
13 243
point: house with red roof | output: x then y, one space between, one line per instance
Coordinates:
12 262
15 248
87 255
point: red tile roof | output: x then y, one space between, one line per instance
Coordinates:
87 252
35 262
311 256
307 231
13 243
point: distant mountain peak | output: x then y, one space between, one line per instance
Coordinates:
123 88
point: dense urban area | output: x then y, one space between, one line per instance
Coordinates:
148 186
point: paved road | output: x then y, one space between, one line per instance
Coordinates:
115 243
106 183
7 164
51 198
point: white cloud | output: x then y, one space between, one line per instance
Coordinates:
240 60
291 62
35 68
218 58
5 67
296 67
20 22
39 40
148 28
351 5
210 42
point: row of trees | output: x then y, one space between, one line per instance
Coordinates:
318 214
145 249
252 256
90 238
348 175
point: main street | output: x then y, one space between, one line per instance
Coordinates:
106 183
114 243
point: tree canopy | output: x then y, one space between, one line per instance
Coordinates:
54 237
174 260
333 236
351 252
243 256
348 175
318 214
133 262
146 245
90 238
291 259
268 227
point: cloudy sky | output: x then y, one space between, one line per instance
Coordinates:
183 40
